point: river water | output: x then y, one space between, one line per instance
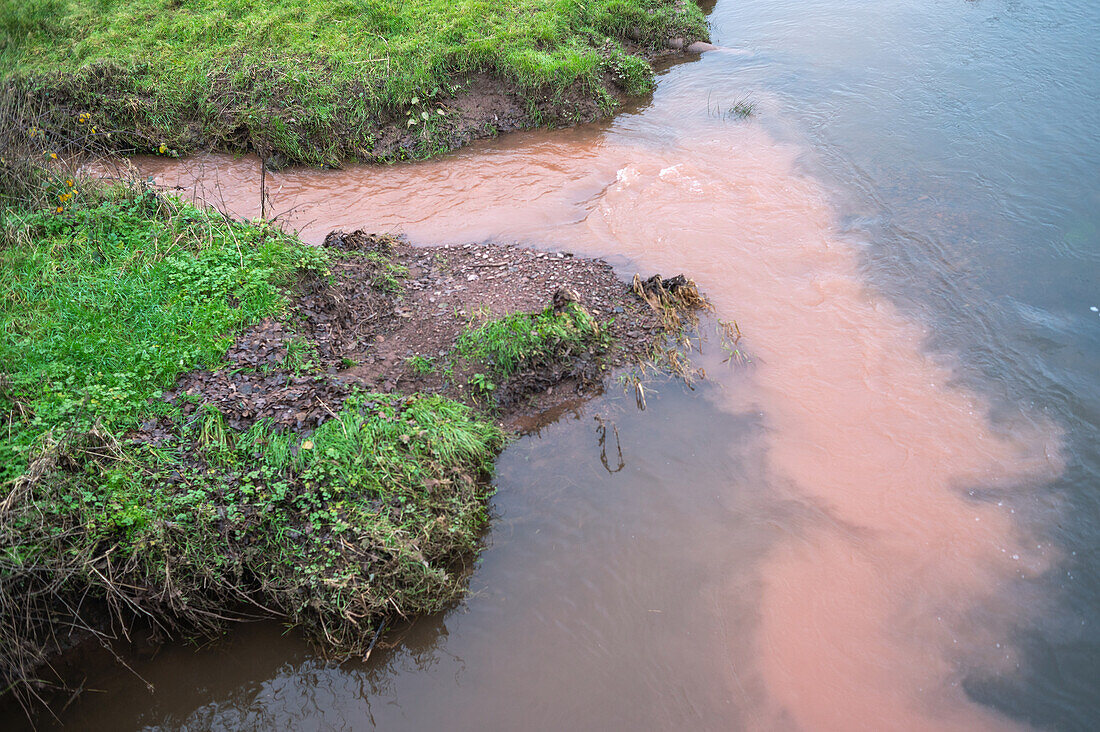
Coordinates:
887 517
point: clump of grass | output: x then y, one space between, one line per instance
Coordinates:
364 518
742 109
301 355
421 365
108 301
522 341
316 81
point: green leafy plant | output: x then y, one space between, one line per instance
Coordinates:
482 383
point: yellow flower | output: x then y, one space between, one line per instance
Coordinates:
59 209
93 130
163 148
307 445
53 156
69 182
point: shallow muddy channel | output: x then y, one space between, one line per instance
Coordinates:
884 517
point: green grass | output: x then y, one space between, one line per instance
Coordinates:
301 355
105 303
315 80
523 341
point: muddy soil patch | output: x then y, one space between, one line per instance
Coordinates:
391 316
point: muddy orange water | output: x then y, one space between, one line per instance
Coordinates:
851 530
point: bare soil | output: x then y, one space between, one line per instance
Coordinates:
368 327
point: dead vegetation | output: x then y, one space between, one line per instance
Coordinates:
675 299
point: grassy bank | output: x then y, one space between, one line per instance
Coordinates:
322 81
204 420
115 503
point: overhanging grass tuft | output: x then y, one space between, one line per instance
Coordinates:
364 518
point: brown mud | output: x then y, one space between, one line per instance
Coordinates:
372 330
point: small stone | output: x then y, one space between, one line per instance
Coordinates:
700 47
471 278
676 44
